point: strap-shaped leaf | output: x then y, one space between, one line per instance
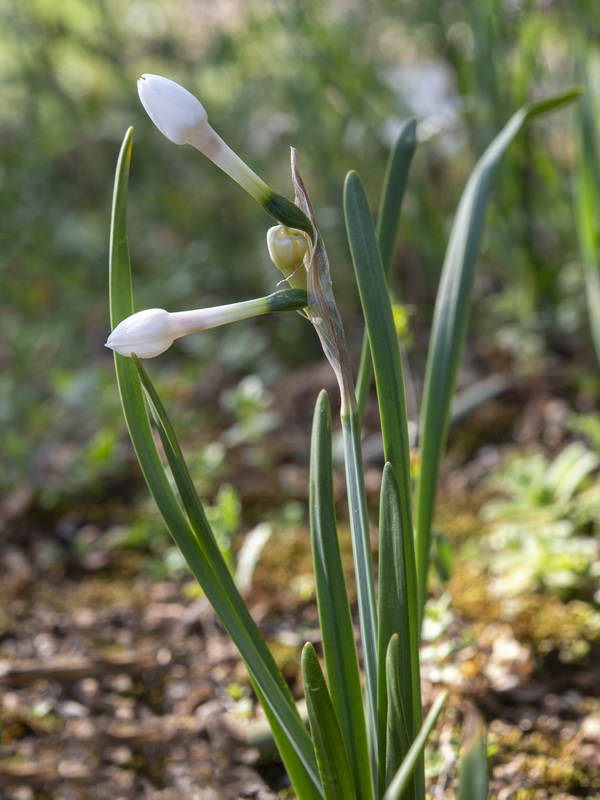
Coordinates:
450 322
193 536
401 780
397 617
387 365
392 194
332 758
385 351
337 631
587 199
215 578
396 730
473 773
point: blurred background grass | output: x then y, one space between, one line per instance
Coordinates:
334 80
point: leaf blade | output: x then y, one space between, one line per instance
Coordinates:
396 729
473 775
339 646
332 758
398 617
390 205
299 755
214 576
377 309
401 779
450 322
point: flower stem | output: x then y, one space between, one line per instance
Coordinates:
363 563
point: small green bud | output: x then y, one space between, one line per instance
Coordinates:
287 248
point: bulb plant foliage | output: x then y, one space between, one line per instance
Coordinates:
367 730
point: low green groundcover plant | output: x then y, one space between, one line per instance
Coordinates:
543 525
361 744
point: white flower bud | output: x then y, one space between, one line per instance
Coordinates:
147 334
287 248
181 117
176 112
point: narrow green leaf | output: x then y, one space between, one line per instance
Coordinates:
397 736
450 323
377 309
121 295
394 186
473 774
332 758
339 647
389 379
401 780
216 580
397 615
197 543
587 199
390 204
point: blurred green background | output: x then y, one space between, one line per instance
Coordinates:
333 79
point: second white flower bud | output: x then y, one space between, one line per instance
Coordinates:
149 333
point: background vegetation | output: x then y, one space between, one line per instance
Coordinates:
332 79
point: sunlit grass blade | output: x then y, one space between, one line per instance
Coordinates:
397 615
396 729
121 293
401 780
332 758
193 536
473 773
587 199
339 646
392 194
450 323
377 309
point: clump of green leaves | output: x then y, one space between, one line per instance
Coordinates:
359 748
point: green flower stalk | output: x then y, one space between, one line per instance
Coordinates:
323 312
182 118
149 333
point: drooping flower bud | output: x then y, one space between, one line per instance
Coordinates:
177 114
287 248
149 333
181 117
